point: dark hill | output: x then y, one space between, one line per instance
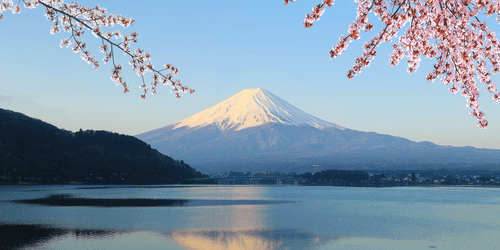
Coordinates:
34 151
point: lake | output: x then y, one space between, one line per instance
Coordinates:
248 217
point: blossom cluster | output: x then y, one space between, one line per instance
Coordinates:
76 19
448 31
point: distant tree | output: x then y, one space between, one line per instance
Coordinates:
75 19
413 177
450 179
376 178
307 176
449 31
333 174
32 148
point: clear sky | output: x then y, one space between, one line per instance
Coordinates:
221 48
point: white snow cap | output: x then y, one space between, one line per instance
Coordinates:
250 108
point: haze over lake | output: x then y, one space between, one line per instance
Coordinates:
249 217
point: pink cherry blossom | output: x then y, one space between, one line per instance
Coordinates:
76 19
451 32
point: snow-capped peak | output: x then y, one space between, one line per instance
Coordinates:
250 108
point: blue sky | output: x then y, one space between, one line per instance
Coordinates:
221 48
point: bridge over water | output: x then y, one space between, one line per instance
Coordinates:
253 180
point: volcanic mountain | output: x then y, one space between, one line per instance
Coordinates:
256 130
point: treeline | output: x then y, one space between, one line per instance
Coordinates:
32 150
335 176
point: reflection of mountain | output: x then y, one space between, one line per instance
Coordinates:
23 236
247 239
60 238
217 240
256 130
19 236
50 237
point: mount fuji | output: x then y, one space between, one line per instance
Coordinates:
256 130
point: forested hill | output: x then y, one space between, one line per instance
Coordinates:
34 151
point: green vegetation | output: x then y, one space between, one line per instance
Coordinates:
335 176
34 151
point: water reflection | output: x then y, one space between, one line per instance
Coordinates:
48 237
242 227
389 244
18 236
123 186
23 236
65 200
268 239
220 240
318 218
74 239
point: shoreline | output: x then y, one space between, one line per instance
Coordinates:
257 185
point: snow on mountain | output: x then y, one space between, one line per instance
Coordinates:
256 130
251 108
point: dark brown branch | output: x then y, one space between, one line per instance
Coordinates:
83 23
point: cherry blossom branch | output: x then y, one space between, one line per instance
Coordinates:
73 17
448 31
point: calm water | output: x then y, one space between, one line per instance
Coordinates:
248 217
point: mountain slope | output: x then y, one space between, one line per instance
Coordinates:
250 108
31 148
256 130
